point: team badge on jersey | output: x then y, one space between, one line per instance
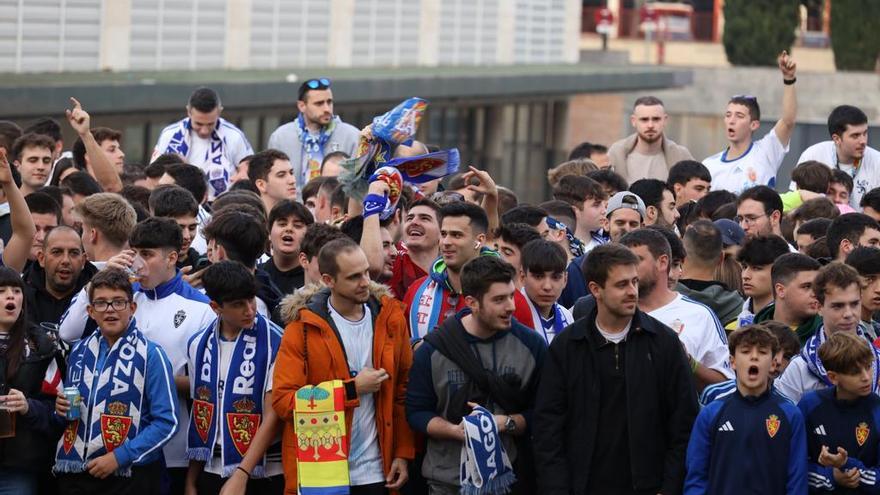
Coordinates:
772 425
862 432
179 317
678 326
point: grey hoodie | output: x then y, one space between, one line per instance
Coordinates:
724 302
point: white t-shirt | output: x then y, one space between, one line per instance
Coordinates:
756 167
699 330
615 338
867 177
214 465
365 459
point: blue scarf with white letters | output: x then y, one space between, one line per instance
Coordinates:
244 388
485 467
114 405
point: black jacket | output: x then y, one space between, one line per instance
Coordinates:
661 407
41 305
33 446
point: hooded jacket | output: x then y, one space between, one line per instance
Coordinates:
724 302
309 323
804 331
620 150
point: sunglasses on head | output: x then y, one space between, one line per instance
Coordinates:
744 97
322 83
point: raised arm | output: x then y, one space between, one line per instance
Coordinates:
101 168
785 126
18 248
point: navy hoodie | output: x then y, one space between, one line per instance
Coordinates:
748 444
852 425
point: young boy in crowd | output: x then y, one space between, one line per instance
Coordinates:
543 278
756 258
232 427
288 221
179 204
511 240
866 261
750 431
842 421
116 444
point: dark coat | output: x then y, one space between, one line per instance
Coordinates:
661 407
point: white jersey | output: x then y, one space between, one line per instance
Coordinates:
865 177
756 167
797 380
699 330
200 153
168 315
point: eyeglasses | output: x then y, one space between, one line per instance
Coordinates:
322 83
117 304
748 219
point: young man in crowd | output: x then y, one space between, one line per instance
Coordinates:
232 439
794 301
192 179
108 141
288 221
626 429
315 133
811 231
870 204
696 325
840 189
690 180
420 246
511 239
60 272
848 151
272 174
437 296
647 153
756 258
206 140
839 460
369 354
46 214
448 378
33 159
178 204
850 231
543 275
750 429
659 202
703 245
316 236
747 163
759 211
626 212
838 290
116 445
866 261
589 202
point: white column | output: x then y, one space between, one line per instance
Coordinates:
341 33
572 50
115 48
429 33
506 33
237 51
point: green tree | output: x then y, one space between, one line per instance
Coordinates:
855 39
755 31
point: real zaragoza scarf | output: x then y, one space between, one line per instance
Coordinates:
313 145
424 312
810 353
485 467
217 172
117 398
245 387
561 319
321 439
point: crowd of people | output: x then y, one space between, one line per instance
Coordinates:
229 321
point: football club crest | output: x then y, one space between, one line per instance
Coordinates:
862 432
179 317
115 426
677 325
243 424
203 412
70 436
772 425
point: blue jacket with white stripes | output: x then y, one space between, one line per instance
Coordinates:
762 436
852 425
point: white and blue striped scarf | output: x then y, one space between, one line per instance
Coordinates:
113 408
485 467
810 353
217 171
245 382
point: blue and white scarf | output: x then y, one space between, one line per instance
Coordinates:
575 246
485 467
810 353
313 146
245 382
113 408
561 319
217 171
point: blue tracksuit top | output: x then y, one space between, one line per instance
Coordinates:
852 425
747 445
